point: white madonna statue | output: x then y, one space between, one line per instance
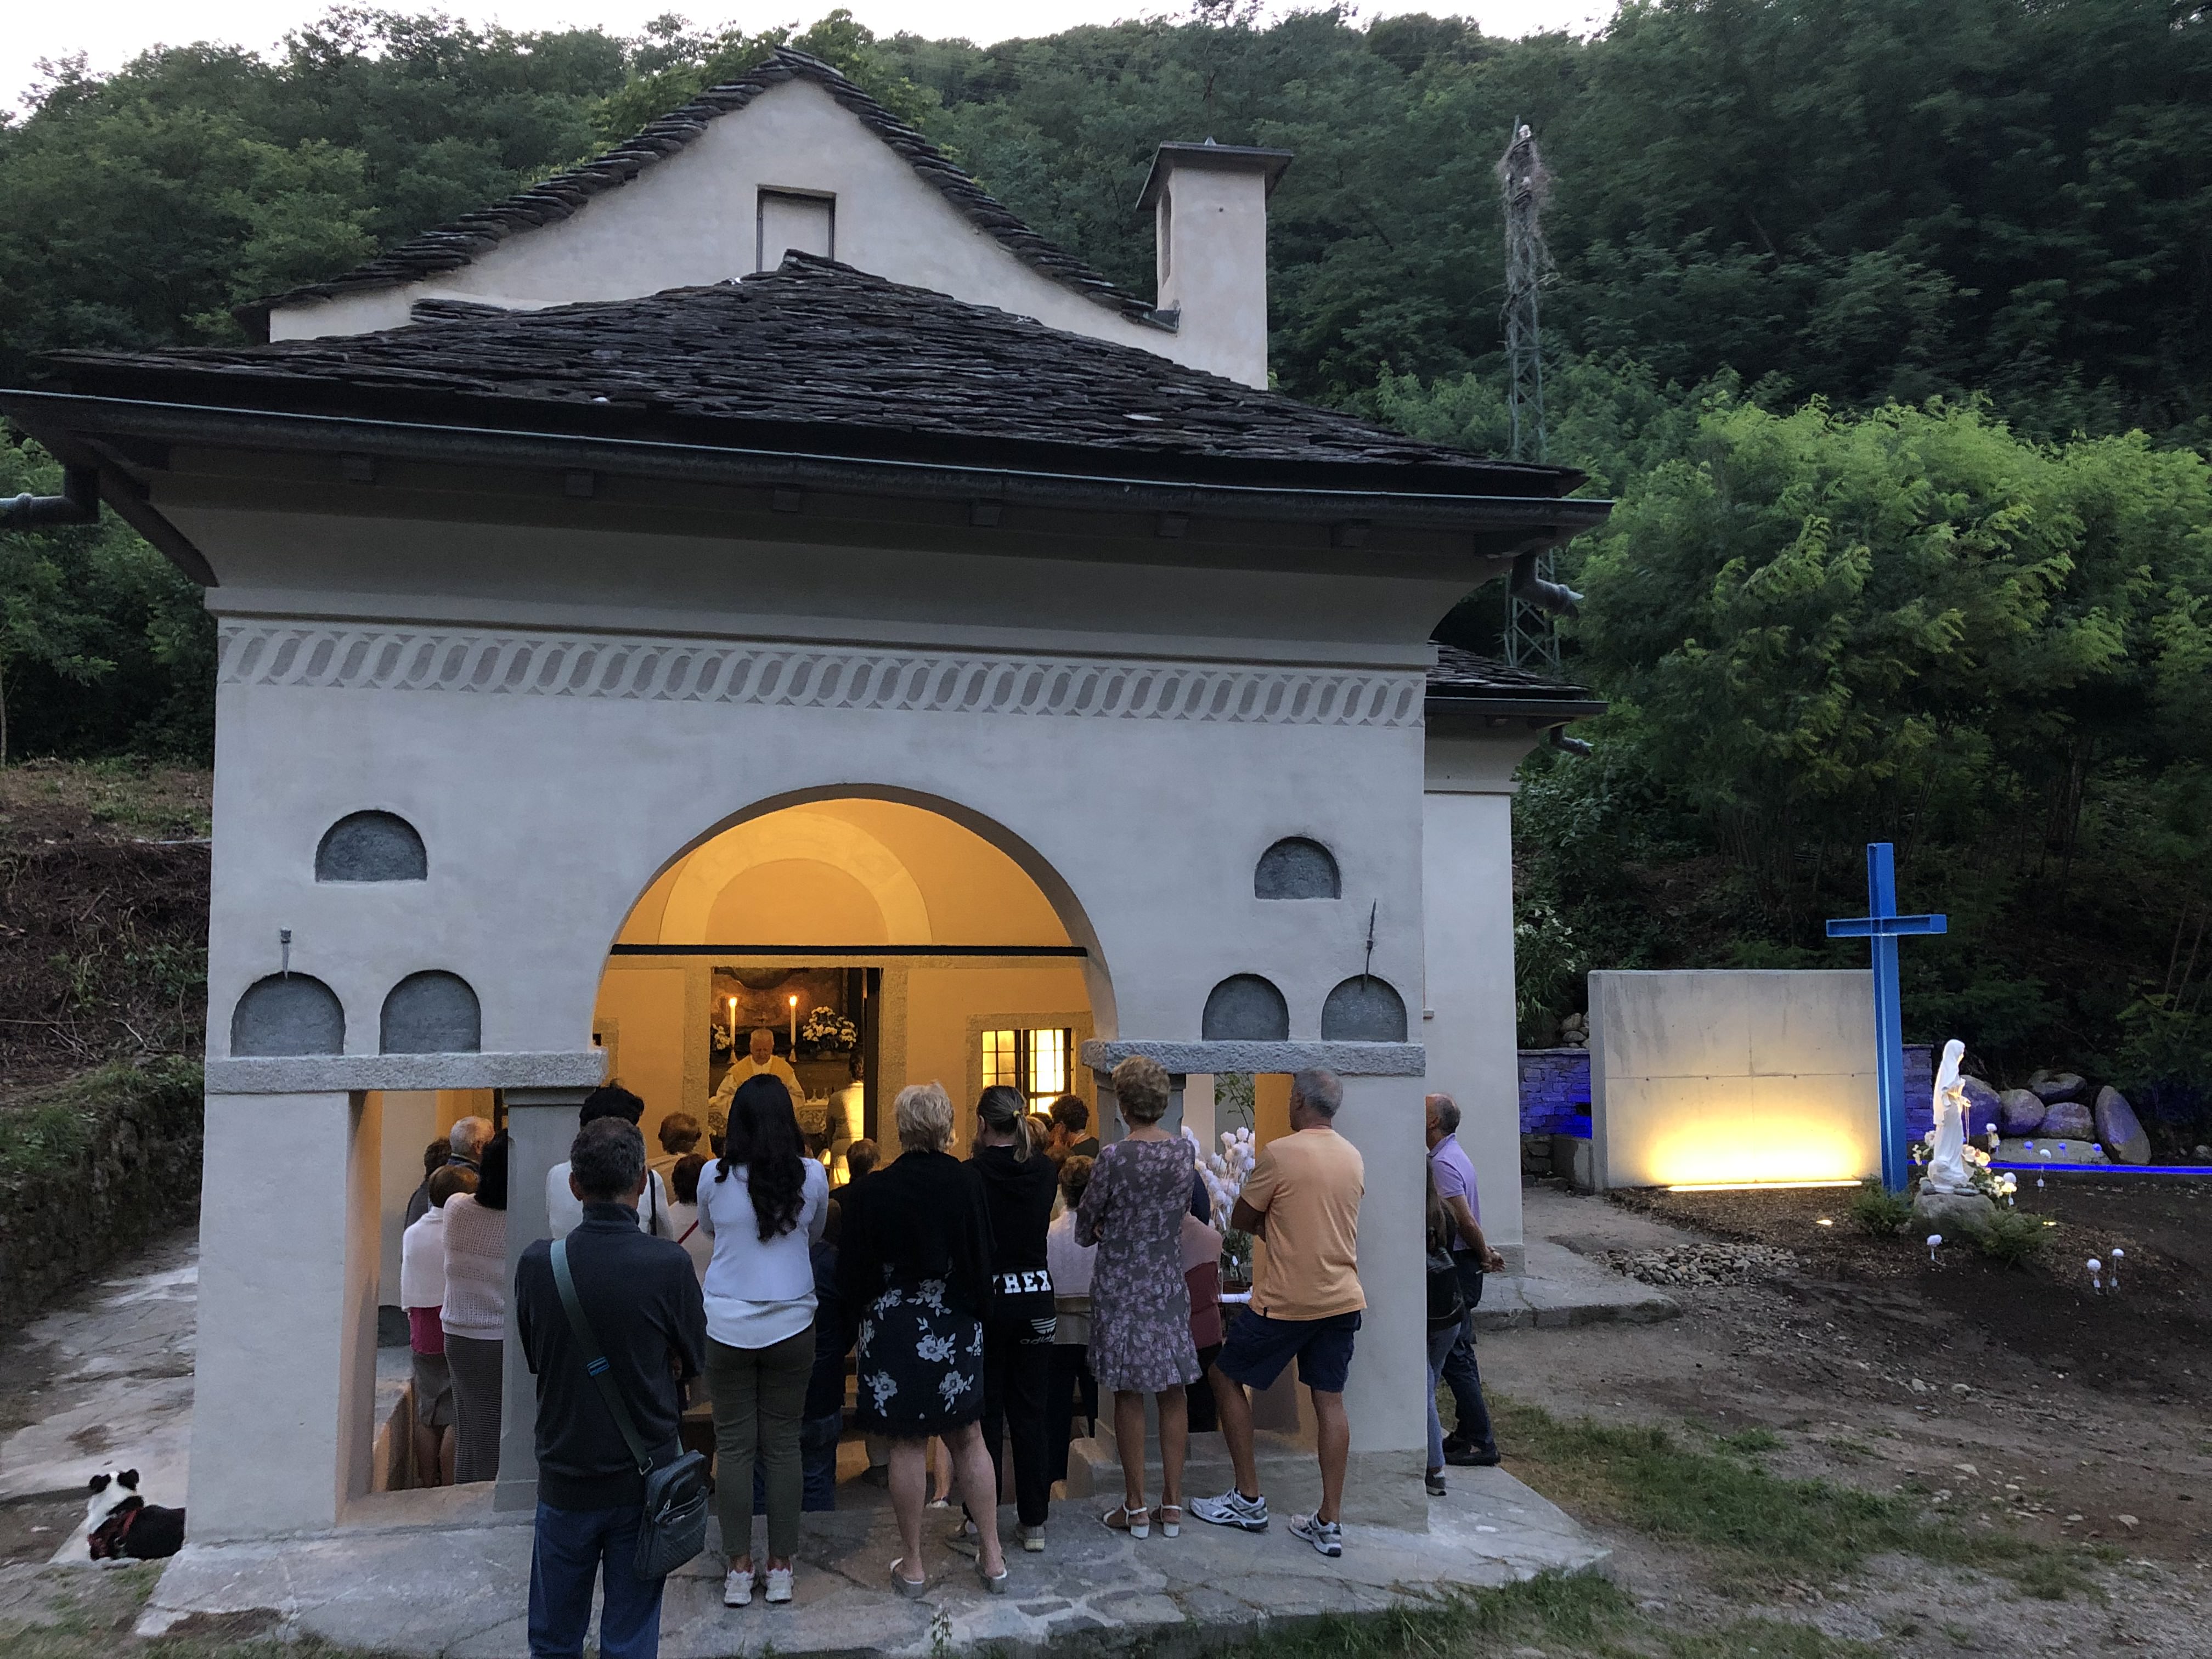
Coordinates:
1946 1163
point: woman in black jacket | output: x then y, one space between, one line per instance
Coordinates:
1018 1183
913 1267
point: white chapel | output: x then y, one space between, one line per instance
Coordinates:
751 579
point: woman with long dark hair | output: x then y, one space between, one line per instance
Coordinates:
1019 1184
474 1314
765 1203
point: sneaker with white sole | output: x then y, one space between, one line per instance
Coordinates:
1326 1536
1032 1539
738 1588
779 1585
1232 1508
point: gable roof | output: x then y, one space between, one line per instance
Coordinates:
463 241
820 358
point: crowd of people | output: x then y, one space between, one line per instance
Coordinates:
985 1305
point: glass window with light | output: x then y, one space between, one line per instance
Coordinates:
1034 1062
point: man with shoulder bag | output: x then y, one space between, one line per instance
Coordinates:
612 1325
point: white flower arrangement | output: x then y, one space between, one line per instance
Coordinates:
825 1028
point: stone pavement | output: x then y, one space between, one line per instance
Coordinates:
1556 1286
454 1579
120 1390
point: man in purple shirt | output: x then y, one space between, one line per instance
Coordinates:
1472 1444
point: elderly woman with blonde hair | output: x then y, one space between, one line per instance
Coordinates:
913 1263
1140 1342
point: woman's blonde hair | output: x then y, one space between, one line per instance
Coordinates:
1140 1089
923 1113
1004 1112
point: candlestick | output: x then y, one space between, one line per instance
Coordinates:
733 1025
795 1028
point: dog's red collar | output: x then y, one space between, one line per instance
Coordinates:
107 1537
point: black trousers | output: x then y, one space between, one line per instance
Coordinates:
1016 1371
1461 1374
1070 1374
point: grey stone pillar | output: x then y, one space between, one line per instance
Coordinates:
540 1124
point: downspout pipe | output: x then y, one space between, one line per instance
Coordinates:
1555 599
78 503
1556 737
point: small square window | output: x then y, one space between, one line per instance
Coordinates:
1035 1062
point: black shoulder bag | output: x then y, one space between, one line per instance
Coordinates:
675 1525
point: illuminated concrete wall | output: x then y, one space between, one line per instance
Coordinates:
1732 1075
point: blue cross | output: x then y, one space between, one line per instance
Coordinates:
1884 927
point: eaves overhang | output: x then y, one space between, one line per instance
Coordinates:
83 424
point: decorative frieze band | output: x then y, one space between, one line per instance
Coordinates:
809 677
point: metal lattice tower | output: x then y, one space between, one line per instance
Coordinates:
1530 640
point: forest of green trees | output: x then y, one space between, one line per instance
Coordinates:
1888 323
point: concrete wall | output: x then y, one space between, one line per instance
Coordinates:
693 219
1212 245
1732 1075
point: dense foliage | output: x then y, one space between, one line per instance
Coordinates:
1889 322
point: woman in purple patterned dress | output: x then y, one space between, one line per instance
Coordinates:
1134 1212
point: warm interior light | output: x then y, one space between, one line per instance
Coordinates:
1755 1186
1751 1144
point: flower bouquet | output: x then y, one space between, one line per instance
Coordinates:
826 1031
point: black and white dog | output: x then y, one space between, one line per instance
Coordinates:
120 1525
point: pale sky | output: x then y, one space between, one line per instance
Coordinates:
112 32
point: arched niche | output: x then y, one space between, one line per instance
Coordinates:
1363 1009
372 847
1297 868
1245 1008
433 1013
287 1014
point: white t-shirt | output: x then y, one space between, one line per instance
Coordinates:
759 1291
422 1261
688 1228
564 1211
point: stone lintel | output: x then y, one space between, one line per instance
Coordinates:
1344 1059
308 1074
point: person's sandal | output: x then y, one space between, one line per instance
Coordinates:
912 1588
1170 1516
964 1538
1137 1522
996 1586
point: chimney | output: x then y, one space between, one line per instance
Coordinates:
1210 207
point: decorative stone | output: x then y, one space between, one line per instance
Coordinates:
2069 1120
2036 1149
2052 1086
2019 1113
1954 1215
2120 1129
1981 1103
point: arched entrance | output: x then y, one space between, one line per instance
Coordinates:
880 941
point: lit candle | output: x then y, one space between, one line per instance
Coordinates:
734 1023
794 1027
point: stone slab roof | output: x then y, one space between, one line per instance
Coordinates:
449 246
1468 677
820 358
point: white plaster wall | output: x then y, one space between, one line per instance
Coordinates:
1213 270
1467 1019
1733 1076
691 220
285 1372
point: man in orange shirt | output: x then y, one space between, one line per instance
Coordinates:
1302 1198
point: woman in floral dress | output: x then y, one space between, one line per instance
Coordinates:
1140 1343
913 1260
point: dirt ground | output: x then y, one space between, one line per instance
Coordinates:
2008 1398
103 915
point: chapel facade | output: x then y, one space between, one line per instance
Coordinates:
753 581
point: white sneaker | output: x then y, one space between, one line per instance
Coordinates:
1232 1508
738 1588
779 1585
1325 1536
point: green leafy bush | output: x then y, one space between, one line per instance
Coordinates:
1875 1209
2014 1238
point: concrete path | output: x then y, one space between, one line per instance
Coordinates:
118 1393
1558 1286
454 1580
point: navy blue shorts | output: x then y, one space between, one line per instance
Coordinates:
1258 1347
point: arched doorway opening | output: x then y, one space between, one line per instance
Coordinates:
878 941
